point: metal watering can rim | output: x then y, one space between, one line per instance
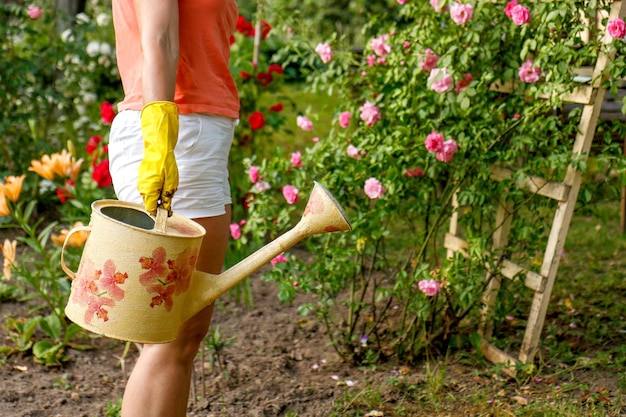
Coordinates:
134 216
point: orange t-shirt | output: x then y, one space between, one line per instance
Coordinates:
204 83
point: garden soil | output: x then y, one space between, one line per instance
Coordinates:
278 363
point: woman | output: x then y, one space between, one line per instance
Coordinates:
168 148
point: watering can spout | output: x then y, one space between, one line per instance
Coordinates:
323 214
137 281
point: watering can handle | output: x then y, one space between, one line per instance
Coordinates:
67 270
160 221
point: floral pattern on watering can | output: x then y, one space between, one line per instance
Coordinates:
167 277
98 289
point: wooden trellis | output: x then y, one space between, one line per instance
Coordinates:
565 193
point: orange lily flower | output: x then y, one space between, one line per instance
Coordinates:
76 239
8 252
4 206
66 165
63 164
43 167
13 187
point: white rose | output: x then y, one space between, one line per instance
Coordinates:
93 48
106 49
82 18
67 36
103 19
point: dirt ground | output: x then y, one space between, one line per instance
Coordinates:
279 363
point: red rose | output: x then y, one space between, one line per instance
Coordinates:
277 68
265 29
243 27
101 174
256 120
65 193
107 113
92 144
245 74
277 107
264 78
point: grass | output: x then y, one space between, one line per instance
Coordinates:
581 366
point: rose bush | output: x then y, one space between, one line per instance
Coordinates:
433 119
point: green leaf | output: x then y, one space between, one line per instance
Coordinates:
51 325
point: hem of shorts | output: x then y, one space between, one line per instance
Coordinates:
200 213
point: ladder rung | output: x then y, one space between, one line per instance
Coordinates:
456 244
584 94
508 269
532 280
496 355
551 189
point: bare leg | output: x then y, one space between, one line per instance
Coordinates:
160 381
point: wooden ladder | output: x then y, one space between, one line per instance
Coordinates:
565 193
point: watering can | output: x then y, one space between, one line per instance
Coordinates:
136 280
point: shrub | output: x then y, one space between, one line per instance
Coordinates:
418 119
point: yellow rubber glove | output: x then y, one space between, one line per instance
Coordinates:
158 172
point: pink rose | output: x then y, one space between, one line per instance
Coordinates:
344 119
440 81
461 13
429 60
436 6
291 194
369 113
34 12
304 123
253 173
403 1
520 15
448 149
464 83
235 231
325 52
278 259
371 60
528 73
508 10
296 159
616 28
354 152
434 142
262 186
430 287
373 188
380 45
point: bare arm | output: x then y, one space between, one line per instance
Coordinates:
158 26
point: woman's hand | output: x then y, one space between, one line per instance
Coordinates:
158 173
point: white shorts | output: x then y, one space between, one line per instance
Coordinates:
202 150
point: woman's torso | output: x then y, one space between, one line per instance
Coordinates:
204 83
